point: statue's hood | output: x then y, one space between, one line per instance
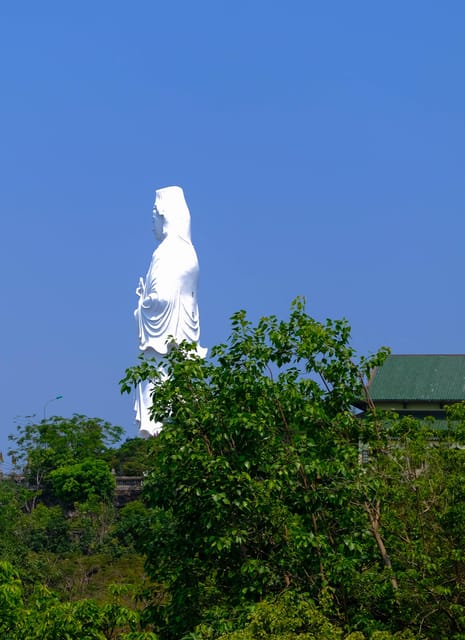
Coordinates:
171 204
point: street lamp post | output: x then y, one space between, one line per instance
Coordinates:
48 402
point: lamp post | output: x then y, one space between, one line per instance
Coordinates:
48 402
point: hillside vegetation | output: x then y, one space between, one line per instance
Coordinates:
258 518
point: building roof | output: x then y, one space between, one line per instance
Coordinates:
420 378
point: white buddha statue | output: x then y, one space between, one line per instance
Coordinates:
167 307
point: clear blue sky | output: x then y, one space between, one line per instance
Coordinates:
321 147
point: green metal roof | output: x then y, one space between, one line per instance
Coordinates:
424 378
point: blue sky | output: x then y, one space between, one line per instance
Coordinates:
320 145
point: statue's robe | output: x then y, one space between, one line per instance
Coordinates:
171 282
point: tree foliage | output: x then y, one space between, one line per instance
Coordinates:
43 616
131 458
260 518
258 489
59 505
53 442
58 443
81 481
253 474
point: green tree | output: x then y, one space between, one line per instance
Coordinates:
13 498
257 491
45 529
11 601
252 478
81 481
291 616
131 458
40 448
92 523
43 616
413 495
132 522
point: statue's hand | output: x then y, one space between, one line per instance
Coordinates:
147 302
140 287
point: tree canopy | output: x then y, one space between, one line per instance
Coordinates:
48 447
253 476
257 489
271 508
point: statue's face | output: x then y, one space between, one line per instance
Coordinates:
158 223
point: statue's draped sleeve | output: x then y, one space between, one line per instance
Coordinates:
170 310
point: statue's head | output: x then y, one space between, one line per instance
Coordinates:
170 214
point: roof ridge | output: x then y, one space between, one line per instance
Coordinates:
428 355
